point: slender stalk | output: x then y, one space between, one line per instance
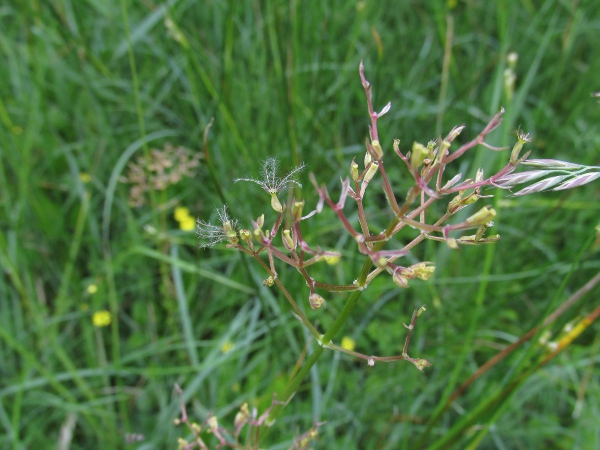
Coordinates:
445 73
339 321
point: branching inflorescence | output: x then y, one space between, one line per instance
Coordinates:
426 165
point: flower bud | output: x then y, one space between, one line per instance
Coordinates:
260 222
480 231
409 273
421 363
522 139
316 301
400 279
479 175
421 310
469 199
371 172
368 159
483 216
354 170
514 155
455 203
452 243
445 145
455 132
376 146
269 281
332 260
213 423
297 208
241 418
418 155
381 262
288 242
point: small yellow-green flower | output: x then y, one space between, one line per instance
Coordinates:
92 289
85 177
227 346
101 318
213 423
332 260
348 343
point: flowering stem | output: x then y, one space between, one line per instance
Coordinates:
387 187
493 124
339 321
297 311
342 317
299 314
372 114
336 287
294 383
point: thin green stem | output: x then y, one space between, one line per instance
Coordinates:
294 383
445 73
335 327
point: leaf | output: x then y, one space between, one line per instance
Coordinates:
541 186
579 180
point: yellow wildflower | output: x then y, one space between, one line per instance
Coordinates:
181 213
92 289
348 343
101 318
187 224
332 260
227 346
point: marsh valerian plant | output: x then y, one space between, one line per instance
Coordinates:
426 166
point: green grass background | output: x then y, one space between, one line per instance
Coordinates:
87 86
